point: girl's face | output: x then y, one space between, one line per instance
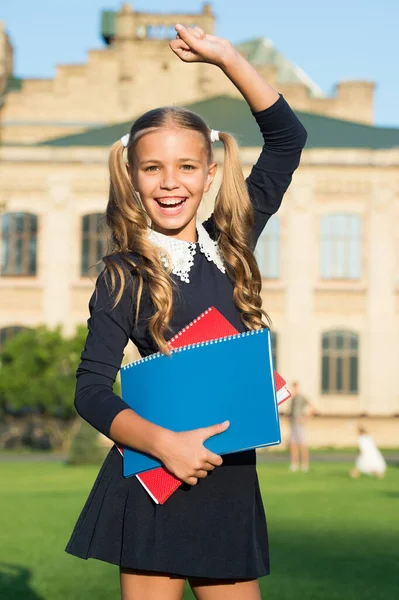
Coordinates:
171 172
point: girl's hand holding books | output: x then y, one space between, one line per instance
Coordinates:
185 455
192 44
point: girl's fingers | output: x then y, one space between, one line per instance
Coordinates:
215 429
212 38
191 480
214 459
201 473
178 45
181 53
201 33
187 36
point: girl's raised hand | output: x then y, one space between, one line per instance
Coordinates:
192 44
185 455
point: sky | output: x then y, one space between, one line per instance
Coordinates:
332 41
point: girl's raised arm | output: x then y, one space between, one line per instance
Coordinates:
194 45
283 134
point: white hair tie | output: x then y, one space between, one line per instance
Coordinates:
125 139
214 135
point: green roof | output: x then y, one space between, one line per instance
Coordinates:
13 84
233 115
108 25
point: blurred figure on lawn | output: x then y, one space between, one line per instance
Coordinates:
370 460
300 410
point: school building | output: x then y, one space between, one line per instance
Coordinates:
329 259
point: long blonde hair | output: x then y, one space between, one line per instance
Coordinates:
128 222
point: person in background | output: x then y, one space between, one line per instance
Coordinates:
299 411
370 460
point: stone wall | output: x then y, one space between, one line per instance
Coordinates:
136 73
61 185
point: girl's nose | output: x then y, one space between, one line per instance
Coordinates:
169 180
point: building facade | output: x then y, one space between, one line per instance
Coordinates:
329 259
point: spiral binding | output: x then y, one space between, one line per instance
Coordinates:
192 346
208 310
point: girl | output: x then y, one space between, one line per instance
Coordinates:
165 269
370 460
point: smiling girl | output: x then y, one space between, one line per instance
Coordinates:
166 268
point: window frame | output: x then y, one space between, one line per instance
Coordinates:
333 243
93 237
270 237
333 356
29 237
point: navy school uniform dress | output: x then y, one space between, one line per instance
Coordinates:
217 528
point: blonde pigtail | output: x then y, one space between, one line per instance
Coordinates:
234 220
128 222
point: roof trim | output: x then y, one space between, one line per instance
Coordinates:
226 113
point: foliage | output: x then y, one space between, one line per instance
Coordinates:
85 447
38 371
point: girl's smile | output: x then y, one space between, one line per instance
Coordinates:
171 205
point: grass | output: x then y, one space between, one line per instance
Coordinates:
331 538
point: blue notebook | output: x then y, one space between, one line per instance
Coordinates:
203 384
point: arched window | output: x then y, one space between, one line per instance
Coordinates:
6 333
94 243
341 247
267 251
339 362
18 244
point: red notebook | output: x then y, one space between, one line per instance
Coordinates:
159 483
210 325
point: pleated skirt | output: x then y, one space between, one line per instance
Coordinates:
215 529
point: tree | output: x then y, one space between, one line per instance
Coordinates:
85 448
38 371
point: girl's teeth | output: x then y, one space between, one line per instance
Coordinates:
174 203
171 203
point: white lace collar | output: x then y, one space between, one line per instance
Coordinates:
181 253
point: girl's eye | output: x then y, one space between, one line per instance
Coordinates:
188 167
151 168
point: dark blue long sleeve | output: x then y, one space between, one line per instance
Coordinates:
109 331
284 138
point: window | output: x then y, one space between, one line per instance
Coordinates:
267 251
341 247
94 243
18 244
339 362
156 32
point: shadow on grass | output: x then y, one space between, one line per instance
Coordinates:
392 494
15 583
348 565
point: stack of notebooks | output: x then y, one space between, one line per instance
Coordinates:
214 374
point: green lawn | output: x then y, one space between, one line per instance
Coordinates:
331 538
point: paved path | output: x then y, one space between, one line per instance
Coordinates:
392 458
31 458
323 457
